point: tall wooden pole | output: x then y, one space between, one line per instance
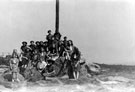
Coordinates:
57 17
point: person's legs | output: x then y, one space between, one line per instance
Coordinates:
78 68
78 74
74 73
42 73
17 78
70 72
13 76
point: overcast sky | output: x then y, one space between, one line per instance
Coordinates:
103 30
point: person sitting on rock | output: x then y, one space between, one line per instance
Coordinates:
25 58
61 48
42 60
37 46
74 58
50 69
53 48
36 57
55 42
24 47
45 46
32 46
57 36
41 45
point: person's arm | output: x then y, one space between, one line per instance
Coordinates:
10 62
47 37
17 62
78 53
47 49
29 47
48 53
51 72
20 56
21 49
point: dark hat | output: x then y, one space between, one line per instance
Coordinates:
24 42
37 42
49 31
65 37
31 41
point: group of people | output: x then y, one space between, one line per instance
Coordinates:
41 53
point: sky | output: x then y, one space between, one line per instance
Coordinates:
103 30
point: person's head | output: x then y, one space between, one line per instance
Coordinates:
14 54
35 51
70 43
49 31
24 43
32 42
60 43
65 38
41 42
15 50
42 50
37 43
45 43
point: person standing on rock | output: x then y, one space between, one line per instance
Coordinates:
14 61
74 66
65 42
49 37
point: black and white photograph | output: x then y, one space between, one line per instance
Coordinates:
67 45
